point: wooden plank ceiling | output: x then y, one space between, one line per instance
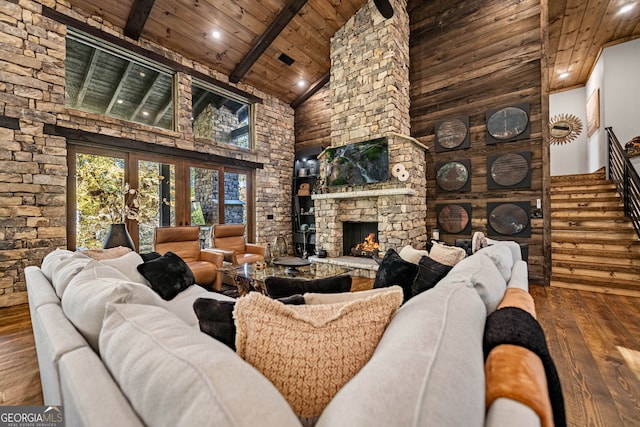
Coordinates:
254 34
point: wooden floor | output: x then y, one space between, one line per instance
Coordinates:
594 339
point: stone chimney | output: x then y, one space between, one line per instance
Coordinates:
370 99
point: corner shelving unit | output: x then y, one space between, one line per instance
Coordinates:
306 172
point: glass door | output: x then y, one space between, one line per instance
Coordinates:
235 198
156 185
99 197
205 201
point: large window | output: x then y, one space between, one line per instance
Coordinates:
145 191
103 79
220 116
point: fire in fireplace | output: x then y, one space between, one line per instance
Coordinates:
360 239
368 248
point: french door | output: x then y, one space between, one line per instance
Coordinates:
146 191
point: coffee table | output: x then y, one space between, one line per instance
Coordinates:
251 277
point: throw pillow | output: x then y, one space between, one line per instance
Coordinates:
447 255
278 287
148 256
408 253
110 253
429 274
216 319
310 351
394 270
169 275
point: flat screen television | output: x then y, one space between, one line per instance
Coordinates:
359 163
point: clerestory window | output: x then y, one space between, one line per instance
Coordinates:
104 79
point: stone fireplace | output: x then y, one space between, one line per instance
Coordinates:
359 238
369 88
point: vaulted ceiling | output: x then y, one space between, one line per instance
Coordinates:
254 34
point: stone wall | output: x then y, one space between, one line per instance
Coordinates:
370 99
33 165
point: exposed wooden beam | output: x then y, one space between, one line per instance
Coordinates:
88 74
311 90
146 96
137 18
116 93
282 20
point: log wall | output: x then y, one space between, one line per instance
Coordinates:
468 57
313 121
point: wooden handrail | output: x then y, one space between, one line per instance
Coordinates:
625 177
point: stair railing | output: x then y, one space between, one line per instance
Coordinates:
625 177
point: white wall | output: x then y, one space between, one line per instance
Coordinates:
617 77
572 157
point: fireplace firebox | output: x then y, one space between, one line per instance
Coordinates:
360 239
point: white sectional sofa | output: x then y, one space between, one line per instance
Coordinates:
151 365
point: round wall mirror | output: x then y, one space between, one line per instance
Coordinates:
564 128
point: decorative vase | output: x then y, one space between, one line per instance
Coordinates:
268 256
280 247
118 236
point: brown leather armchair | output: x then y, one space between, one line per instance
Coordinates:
228 239
185 242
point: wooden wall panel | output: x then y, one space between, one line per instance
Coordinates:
468 57
313 121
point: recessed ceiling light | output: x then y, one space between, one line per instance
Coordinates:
302 83
119 101
216 34
145 113
627 8
142 74
564 75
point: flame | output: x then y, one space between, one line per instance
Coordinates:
369 244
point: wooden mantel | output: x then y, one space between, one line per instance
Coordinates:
365 193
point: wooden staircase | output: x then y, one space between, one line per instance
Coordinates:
593 245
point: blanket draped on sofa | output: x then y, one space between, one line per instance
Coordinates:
513 325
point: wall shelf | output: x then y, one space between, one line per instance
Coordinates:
365 193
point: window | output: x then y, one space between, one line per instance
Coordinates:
220 116
100 178
103 79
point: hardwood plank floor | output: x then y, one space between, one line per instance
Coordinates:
594 339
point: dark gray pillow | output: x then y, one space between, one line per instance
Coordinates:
430 272
394 270
148 256
279 287
169 275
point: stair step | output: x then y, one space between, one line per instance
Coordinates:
588 284
583 189
614 247
590 224
581 177
582 196
588 203
580 236
627 275
604 257
617 214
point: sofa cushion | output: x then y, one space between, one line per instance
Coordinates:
279 287
174 375
393 270
430 272
408 253
501 256
128 265
84 302
310 351
50 261
479 272
447 255
427 369
169 275
63 267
